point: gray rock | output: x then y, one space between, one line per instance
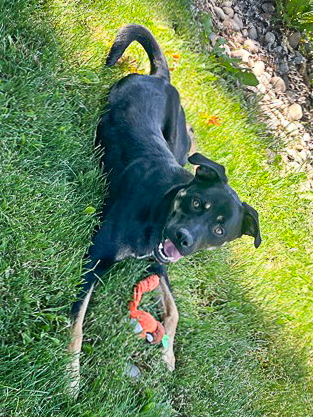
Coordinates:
268 8
244 33
227 4
252 33
294 39
270 38
132 371
230 24
238 20
299 59
250 45
219 13
283 67
228 11
213 38
278 50
291 95
278 84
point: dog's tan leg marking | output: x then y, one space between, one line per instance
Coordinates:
170 318
75 346
193 147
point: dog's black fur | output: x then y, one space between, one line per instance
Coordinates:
156 208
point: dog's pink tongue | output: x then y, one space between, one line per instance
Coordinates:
171 251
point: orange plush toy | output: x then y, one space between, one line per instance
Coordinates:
149 327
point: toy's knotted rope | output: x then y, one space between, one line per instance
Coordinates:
152 329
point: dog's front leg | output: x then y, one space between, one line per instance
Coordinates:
170 318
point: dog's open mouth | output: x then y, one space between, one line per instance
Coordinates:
167 252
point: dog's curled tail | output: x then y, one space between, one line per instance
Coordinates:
139 33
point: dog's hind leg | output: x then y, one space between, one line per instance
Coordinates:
75 345
170 319
79 308
169 313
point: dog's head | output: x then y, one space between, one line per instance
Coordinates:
205 214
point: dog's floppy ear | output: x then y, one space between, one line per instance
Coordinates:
207 170
250 224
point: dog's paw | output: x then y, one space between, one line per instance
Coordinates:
169 359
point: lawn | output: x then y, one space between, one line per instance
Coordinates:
244 342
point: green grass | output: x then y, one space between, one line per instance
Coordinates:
245 333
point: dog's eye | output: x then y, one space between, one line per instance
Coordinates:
218 230
196 203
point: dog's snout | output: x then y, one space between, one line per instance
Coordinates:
184 238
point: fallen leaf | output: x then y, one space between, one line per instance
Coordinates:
211 120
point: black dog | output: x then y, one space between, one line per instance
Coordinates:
155 208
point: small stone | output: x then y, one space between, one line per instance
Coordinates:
304 155
283 66
294 154
219 13
264 78
277 103
278 50
241 53
230 24
306 137
213 38
294 39
238 20
228 11
295 112
268 8
252 32
266 98
291 95
227 4
278 84
226 49
292 129
273 122
298 59
298 147
250 45
284 122
244 33
310 175
258 68
132 371
270 38
261 88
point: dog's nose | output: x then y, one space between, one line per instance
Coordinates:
184 238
